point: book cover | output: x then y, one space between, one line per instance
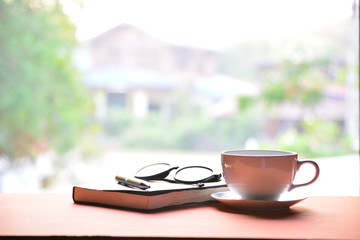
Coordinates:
159 195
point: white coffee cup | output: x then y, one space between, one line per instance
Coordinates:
262 174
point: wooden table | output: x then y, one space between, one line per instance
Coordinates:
55 215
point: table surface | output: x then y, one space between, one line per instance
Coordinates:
46 215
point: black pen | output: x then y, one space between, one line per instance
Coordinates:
131 182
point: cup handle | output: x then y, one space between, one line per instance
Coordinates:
317 169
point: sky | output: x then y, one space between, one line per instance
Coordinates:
212 24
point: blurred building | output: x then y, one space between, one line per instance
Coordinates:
131 69
127 68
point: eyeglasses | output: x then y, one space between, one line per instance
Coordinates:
187 175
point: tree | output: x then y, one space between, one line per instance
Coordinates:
43 102
301 83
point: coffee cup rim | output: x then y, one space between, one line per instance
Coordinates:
257 152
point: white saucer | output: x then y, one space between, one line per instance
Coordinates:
285 201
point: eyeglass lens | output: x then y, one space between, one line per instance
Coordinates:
154 170
193 174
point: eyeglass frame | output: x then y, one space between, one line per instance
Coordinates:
162 175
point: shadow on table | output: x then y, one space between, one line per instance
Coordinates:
290 213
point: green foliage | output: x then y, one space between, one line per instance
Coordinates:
117 121
274 93
190 132
43 103
315 139
302 83
245 102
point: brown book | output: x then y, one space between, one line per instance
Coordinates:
159 195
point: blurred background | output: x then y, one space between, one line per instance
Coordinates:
92 87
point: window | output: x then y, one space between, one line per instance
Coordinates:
186 80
